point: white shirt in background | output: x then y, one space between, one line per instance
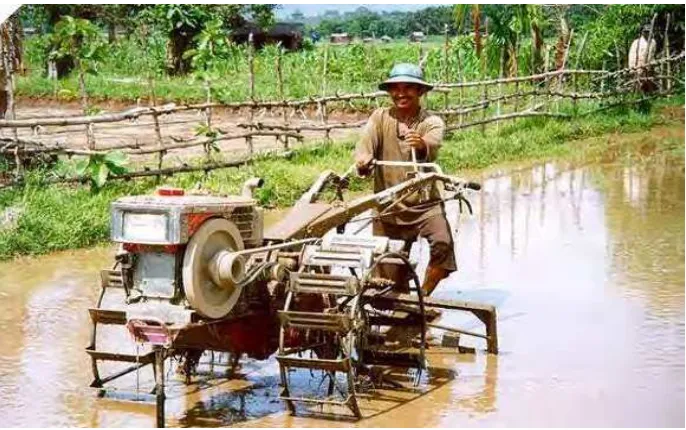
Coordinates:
637 52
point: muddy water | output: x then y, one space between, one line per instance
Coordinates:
586 266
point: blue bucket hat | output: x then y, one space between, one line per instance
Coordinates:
407 73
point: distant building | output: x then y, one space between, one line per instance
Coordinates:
386 39
340 38
289 34
417 36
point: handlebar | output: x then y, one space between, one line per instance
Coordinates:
474 186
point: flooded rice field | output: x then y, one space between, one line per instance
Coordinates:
585 265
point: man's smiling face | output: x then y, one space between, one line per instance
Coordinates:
405 95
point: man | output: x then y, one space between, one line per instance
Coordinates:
642 53
391 134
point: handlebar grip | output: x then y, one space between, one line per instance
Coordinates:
473 186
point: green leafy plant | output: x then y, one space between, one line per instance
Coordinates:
212 134
212 46
96 168
183 24
78 39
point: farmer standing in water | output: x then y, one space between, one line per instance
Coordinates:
391 134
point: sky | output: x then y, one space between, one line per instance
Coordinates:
286 10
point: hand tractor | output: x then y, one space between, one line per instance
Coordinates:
198 273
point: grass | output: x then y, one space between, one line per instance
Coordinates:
65 217
123 74
533 138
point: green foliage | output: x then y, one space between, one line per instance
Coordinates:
184 25
613 30
78 39
95 169
211 48
364 23
509 25
36 51
356 67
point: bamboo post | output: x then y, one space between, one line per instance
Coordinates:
251 76
368 59
208 115
561 78
324 114
668 65
650 39
484 94
484 108
604 78
90 139
446 68
577 60
547 77
156 121
279 80
460 78
516 64
500 86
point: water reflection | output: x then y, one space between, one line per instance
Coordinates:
601 270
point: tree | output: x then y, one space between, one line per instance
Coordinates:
80 40
183 22
116 15
10 58
45 18
431 20
297 16
537 23
564 34
507 25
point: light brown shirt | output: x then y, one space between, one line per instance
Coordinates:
381 140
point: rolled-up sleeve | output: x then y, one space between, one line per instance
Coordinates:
433 137
369 139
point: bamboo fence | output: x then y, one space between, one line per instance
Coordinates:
151 133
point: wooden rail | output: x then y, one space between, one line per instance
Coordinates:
562 94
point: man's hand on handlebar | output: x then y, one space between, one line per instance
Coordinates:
416 141
364 168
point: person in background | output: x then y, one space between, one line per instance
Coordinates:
642 53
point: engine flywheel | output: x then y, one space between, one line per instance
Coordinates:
209 296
